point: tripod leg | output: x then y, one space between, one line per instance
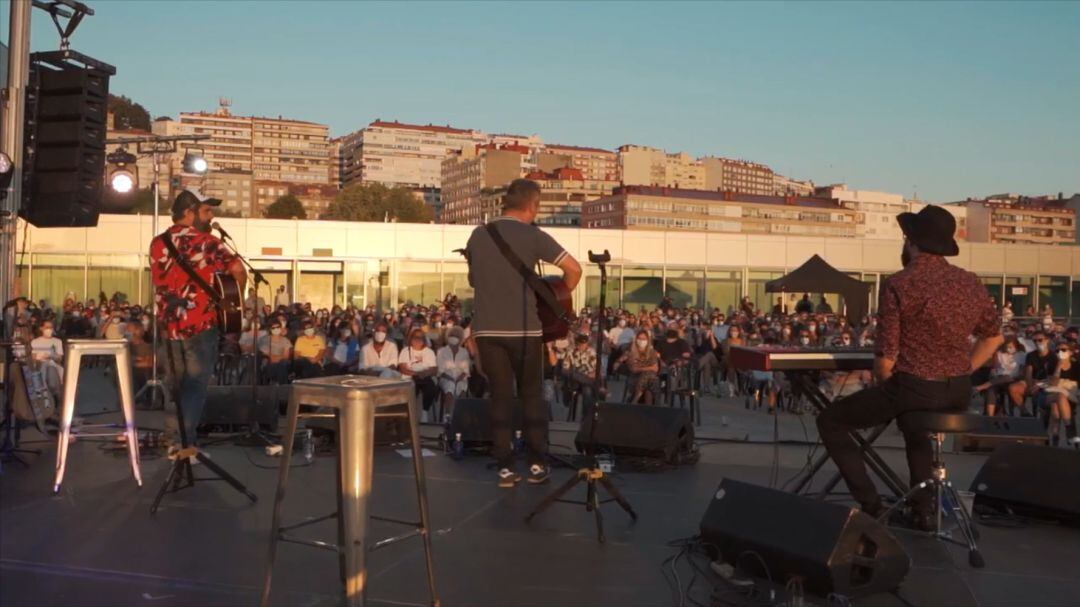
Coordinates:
594 503
164 487
218 470
554 496
618 497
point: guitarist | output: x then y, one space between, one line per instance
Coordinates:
506 325
186 312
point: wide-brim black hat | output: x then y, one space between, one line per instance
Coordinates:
932 229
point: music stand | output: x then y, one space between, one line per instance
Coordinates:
593 477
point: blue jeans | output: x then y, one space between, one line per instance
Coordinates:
189 363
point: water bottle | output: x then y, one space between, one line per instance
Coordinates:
309 446
519 443
459 447
447 445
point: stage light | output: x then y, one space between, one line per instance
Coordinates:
123 174
194 162
7 169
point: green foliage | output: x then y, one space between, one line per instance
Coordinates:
286 207
376 202
128 114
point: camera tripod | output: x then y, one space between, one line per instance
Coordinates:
593 477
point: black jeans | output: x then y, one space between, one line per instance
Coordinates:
879 405
507 361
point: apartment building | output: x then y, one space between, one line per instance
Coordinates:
595 164
786 186
470 174
729 175
1016 219
563 191
350 157
642 165
658 208
397 154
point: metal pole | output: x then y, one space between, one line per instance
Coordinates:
12 138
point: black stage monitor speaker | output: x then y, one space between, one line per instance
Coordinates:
234 406
1028 480
472 418
639 430
832 548
1001 430
66 121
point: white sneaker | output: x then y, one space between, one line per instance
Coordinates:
424 417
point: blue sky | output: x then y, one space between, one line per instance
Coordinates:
952 99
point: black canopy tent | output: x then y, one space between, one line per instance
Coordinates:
817 276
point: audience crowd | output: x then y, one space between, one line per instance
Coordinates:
658 351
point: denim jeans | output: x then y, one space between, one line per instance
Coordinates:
189 363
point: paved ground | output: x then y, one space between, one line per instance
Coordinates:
96 544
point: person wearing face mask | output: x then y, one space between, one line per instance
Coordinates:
1062 394
928 314
47 351
417 361
186 313
1005 371
1039 368
454 364
643 364
309 351
380 355
343 353
731 374
278 352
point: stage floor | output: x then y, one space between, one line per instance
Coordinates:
96 544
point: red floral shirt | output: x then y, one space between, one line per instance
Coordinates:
184 309
927 315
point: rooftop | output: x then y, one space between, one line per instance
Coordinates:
575 148
417 127
717 196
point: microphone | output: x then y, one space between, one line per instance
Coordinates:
221 230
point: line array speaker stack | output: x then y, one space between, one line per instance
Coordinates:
830 547
66 112
1041 482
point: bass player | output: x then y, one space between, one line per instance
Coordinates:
507 326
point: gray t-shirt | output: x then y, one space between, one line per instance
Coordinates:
504 305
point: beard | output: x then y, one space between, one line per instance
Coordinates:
202 226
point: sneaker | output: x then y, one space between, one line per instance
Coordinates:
508 478
539 474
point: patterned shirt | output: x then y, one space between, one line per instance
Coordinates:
184 309
927 315
581 361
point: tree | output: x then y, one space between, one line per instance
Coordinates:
128 114
286 207
376 202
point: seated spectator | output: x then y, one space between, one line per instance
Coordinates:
252 335
1039 368
675 353
417 361
579 369
278 352
142 355
454 365
643 364
380 355
308 351
1005 371
1062 393
47 351
343 353
114 328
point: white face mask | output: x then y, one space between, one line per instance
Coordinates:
46 332
1064 355
116 320
146 323
437 324
1043 347
453 341
642 343
380 336
622 323
804 341
309 332
276 331
846 341
345 333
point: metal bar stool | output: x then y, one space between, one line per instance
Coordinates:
356 402
946 499
75 350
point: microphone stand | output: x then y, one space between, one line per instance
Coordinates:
253 431
593 477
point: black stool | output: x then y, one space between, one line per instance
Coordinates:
937 425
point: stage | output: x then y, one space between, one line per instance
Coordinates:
96 543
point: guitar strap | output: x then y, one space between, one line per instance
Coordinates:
166 239
541 288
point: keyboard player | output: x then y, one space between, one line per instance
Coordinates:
928 313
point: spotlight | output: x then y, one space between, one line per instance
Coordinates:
7 169
123 174
194 162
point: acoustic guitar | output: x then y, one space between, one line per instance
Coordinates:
554 325
230 303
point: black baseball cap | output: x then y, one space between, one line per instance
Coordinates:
191 198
